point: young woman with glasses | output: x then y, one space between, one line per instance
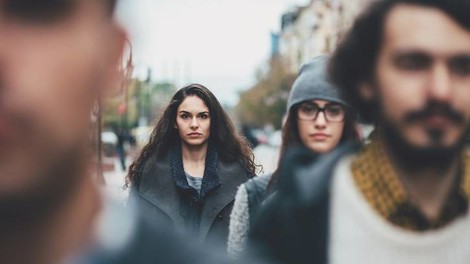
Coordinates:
317 119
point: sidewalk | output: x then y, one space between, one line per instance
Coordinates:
115 179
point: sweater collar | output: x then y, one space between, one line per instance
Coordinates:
376 178
210 180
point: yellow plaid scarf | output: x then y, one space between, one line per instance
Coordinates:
376 179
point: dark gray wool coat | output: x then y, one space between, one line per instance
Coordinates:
163 192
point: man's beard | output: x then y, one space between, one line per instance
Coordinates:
54 182
436 156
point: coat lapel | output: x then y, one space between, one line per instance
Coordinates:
158 187
231 176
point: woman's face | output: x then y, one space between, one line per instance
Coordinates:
193 121
320 124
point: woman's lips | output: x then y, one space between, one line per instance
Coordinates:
194 134
319 136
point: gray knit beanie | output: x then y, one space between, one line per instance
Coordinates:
313 84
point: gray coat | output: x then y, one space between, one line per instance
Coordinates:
158 196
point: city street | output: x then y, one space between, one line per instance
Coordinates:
267 156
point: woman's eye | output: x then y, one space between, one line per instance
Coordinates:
309 108
334 110
204 116
184 116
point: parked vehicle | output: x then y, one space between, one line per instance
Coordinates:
109 140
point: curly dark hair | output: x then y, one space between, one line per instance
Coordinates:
232 147
355 58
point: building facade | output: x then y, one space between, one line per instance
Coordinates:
315 29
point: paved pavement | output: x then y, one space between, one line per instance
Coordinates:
267 156
115 180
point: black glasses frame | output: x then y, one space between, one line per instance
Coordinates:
321 110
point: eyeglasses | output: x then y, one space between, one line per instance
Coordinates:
331 112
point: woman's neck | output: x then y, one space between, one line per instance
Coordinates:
194 159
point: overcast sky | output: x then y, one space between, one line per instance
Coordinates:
218 43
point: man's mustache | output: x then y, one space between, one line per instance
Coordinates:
435 108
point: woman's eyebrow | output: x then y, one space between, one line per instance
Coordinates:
187 112
332 104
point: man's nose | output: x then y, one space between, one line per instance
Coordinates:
440 83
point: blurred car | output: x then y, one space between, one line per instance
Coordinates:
109 140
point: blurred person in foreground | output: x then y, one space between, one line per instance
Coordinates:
318 120
56 58
189 171
403 198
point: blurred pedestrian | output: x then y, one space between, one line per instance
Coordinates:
123 137
57 58
403 198
190 170
247 132
317 120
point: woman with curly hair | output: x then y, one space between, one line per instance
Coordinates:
190 169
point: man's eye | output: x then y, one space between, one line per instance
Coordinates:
413 62
460 66
37 11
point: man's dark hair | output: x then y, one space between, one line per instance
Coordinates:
354 60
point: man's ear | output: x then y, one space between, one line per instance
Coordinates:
367 91
118 61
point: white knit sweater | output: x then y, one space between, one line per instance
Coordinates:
239 223
360 235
